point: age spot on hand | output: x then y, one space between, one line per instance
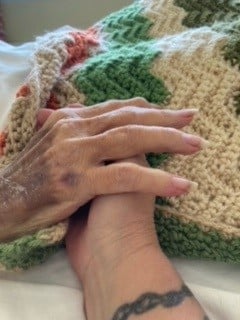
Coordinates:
70 179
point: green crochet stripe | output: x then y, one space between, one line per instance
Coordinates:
124 71
25 252
178 239
223 16
127 26
156 159
207 12
121 73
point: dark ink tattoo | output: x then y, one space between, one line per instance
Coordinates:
149 301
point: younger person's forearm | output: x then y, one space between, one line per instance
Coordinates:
145 286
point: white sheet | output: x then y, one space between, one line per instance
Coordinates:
51 291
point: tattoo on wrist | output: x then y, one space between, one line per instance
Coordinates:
150 301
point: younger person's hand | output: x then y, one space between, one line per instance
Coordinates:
115 226
115 253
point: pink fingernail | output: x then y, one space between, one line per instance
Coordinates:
183 184
187 113
195 141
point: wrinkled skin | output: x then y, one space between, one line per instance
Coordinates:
63 166
110 229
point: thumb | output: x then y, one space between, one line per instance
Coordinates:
42 116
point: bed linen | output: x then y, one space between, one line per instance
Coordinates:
51 291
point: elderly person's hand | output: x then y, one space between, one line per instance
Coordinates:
63 166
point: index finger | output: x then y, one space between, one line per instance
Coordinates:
111 105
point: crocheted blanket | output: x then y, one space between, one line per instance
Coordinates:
178 54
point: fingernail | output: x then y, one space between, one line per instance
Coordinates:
184 184
188 113
195 141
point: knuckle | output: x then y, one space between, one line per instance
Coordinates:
60 126
85 125
140 101
116 135
113 102
172 132
169 137
111 140
122 134
164 113
125 177
130 111
69 127
58 115
97 146
75 106
104 139
109 104
103 143
167 113
66 113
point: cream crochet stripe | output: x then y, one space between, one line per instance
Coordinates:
166 18
50 55
197 75
193 69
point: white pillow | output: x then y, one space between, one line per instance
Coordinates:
14 67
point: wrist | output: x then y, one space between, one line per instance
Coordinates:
114 245
105 290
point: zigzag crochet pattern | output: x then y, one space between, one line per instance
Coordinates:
175 53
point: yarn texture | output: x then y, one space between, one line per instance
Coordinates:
177 54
